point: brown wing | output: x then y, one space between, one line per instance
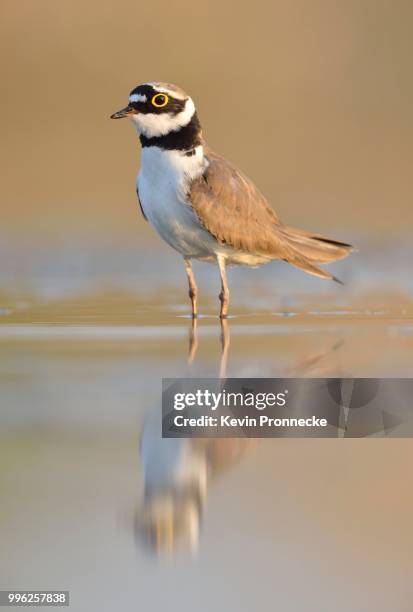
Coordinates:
233 210
236 213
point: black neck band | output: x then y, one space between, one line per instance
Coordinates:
184 139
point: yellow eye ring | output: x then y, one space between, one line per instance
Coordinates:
159 100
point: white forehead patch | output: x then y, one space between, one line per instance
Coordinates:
176 93
137 98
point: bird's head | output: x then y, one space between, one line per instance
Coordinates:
158 109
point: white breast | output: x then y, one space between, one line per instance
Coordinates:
162 184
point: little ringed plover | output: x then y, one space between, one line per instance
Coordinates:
201 204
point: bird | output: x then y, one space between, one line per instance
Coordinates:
202 205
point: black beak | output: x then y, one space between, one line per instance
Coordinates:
124 112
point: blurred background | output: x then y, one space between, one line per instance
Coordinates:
313 101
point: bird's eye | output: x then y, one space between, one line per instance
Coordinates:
160 100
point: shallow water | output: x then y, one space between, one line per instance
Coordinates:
320 524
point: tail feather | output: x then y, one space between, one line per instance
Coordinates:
306 265
314 247
306 249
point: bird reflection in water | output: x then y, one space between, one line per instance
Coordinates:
177 472
225 343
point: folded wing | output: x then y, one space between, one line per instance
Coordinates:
235 212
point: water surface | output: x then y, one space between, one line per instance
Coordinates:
314 524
